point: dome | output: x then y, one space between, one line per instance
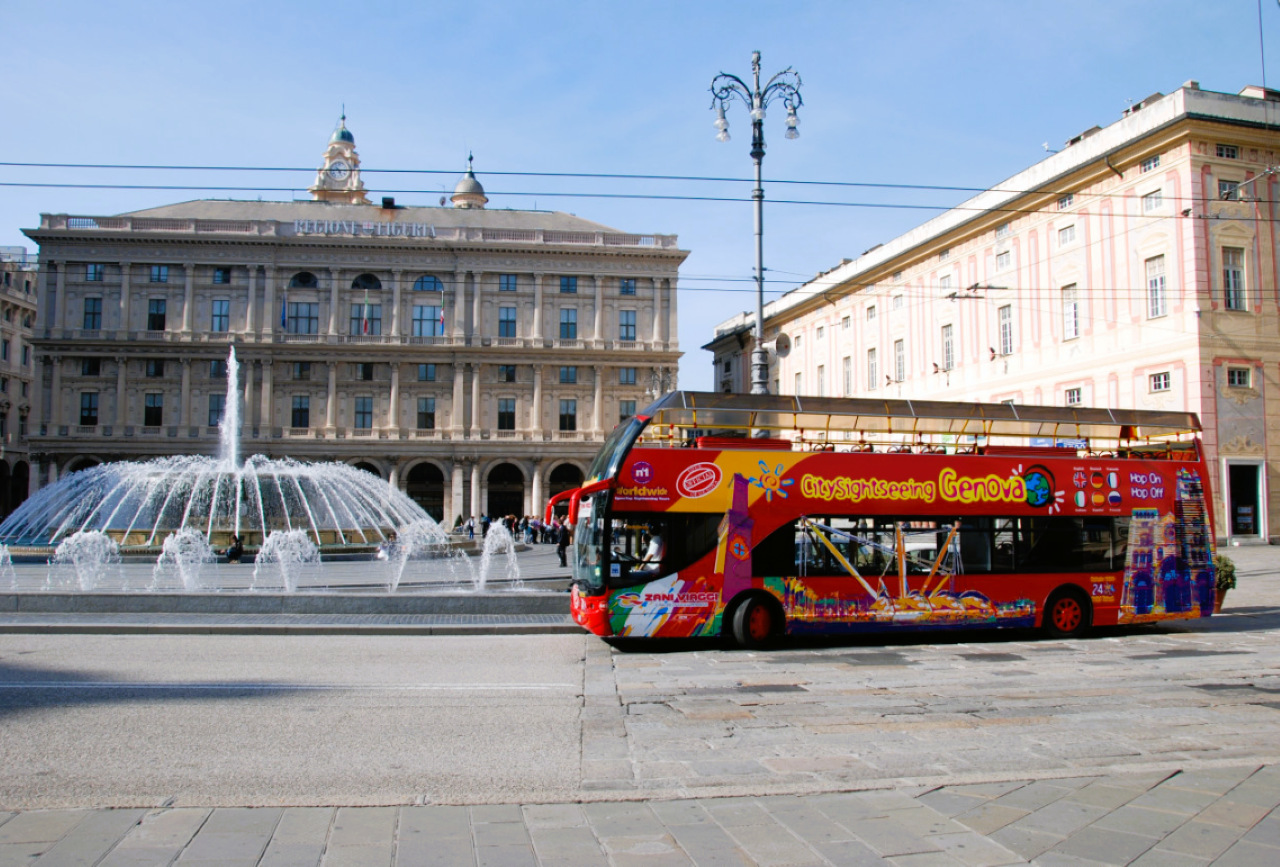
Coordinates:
468 193
342 134
469 184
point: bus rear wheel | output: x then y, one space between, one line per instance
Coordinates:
755 623
1066 614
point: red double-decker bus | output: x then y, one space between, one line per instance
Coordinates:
758 516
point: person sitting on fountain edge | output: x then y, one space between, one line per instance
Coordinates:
387 549
235 550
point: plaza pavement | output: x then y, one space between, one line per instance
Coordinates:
1201 802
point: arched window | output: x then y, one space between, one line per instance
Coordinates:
304 280
367 281
427 283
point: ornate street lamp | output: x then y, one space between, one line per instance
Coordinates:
785 86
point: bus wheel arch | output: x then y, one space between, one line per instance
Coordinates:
1068 612
754 619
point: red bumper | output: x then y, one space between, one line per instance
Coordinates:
590 612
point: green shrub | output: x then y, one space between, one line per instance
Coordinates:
1226 570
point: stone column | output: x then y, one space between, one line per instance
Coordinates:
184 420
455 414
657 309
252 302
189 297
393 478
456 483
268 415
61 297
535 424
475 401
246 423
270 316
125 291
335 274
597 423
477 313
599 326
48 298
393 410
539 506
395 304
122 396
55 395
331 407
459 302
475 494
537 306
673 325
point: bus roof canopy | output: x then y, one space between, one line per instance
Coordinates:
812 416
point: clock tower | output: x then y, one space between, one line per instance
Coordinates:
338 179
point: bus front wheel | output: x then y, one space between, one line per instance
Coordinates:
1066 614
755 622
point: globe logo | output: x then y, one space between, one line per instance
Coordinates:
1039 488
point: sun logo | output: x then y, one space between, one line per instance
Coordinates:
771 481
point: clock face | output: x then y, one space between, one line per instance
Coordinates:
338 170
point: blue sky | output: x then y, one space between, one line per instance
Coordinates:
921 92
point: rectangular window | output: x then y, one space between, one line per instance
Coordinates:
303 317
1006 330
568 375
91 367
1156 303
871 313
844 323
1160 381
1070 312
822 380
1228 152
847 365
153 409
627 286
221 277
897 302
156 308
1153 201
155 367
1233 278
427 321
426 373
872 372
626 409
1238 377
897 275
364 371
426 413
899 360
88 408
506 373
217 369
1002 231
4 350
1228 191
944 255
626 376
1073 397
26 358
1066 235
92 273
627 325
508 282
301 416
944 282
799 384
159 274
506 413
568 323
1003 260
217 405
372 315
1150 163
364 413
569 285
568 414
948 348
92 314
301 370
220 320
506 322
821 332
798 341
1066 201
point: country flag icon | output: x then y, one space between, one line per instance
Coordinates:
1080 499
1113 498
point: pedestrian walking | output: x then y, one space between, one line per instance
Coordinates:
562 543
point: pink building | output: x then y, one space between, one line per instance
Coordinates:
1138 267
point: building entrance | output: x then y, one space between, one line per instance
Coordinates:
425 486
1244 500
506 491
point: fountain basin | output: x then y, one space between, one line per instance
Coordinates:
450 603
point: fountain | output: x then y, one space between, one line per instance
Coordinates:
176 511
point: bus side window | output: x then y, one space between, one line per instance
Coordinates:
776 555
1120 542
975 545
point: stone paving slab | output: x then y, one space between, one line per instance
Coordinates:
1011 822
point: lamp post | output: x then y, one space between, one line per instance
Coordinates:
785 86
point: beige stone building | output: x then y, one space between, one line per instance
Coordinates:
17 323
475 357
1137 267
